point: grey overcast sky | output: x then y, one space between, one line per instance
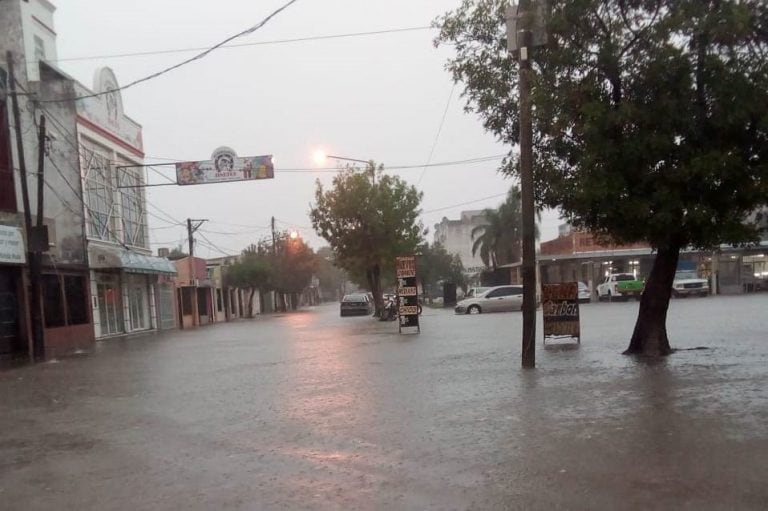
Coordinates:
378 97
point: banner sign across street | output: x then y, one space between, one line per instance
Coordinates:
225 166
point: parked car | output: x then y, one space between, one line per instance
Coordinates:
475 291
357 304
620 286
584 295
495 299
687 283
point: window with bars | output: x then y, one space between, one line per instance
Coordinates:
133 213
99 194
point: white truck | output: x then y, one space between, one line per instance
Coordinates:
688 283
620 286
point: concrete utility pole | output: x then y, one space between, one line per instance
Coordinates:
34 241
523 20
191 238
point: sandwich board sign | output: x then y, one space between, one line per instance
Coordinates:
560 306
407 294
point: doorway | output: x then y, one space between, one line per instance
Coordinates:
110 304
11 343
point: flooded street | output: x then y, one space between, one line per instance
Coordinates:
312 411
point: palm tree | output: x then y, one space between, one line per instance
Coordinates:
499 239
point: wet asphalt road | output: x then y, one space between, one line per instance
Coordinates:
312 411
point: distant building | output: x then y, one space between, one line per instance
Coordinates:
456 237
580 255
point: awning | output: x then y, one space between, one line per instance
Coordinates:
127 260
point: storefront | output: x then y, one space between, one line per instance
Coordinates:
12 258
132 292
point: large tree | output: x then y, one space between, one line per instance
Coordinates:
368 219
651 121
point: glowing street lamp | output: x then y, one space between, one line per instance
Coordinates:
321 157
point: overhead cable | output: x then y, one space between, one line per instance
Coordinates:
198 56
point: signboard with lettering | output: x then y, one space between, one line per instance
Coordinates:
407 293
12 245
224 166
560 306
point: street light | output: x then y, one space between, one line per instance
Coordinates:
321 157
294 235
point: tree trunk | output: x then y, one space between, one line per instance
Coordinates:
262 308
378 301
650 335
250 302
371 288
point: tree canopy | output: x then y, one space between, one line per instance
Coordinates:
436 265
368 220
650 119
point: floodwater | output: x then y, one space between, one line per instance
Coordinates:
311 411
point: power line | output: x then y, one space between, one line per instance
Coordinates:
437 135
241 45
250 30
468 161
464 203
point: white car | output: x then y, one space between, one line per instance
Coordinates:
495 299
584 295
687 283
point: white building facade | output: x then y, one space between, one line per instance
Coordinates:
456 237
131 289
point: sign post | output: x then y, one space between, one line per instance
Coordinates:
560 305
407 294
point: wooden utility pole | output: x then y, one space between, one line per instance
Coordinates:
524 25
33 256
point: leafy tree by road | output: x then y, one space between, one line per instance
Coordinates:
651 121
332 278
436 265
253 272
294 263
368 222
499 238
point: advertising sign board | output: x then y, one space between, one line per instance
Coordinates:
560 305
12 245
407 293
225 166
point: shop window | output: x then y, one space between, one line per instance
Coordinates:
67 306
77 300
53 305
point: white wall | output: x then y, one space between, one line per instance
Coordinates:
37 21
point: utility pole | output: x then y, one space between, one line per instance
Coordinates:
191 229
525 23
33 256
274 246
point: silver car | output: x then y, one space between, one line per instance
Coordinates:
495 299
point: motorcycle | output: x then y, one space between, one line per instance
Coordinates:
390 310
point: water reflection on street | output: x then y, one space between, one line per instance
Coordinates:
312 411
